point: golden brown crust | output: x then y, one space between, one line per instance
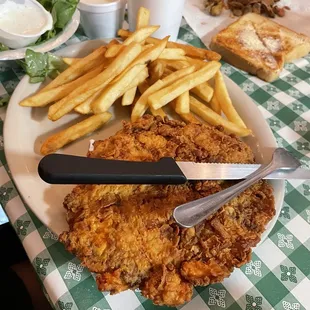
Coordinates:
150 139
166 287
127 235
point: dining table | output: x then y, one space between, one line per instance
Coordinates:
278 274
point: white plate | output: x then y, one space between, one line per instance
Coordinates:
49 45
26 128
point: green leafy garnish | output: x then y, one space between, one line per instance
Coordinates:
40 65
4 101
3 47
62 12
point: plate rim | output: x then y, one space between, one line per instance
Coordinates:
79 46
47 46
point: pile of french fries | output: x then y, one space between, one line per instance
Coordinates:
146 74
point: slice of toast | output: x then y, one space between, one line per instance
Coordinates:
259 46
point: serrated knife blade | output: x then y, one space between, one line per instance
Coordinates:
201 171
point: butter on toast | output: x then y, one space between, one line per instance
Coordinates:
259 46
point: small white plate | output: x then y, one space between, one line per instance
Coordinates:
47 46
25 129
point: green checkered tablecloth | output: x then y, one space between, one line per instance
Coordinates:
277 277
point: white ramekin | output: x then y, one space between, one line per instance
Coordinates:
102 19
14 40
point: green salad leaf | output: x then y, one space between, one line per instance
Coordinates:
40 65
4 101
3 47
62 12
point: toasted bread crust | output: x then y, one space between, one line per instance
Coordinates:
247 65
259 46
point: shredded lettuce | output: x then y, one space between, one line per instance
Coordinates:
40 65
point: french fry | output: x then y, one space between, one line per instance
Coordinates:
156 70
187 117
139 79
190 51
43 98
58 140
174 76
146 56
138 36
83 92
223 98
143 17
113 42
167 94
70 61
214 119
203 91
146 47
143 86
173 54
182 103
116 90
85 107
177 65
61 107
215 105
142 104
79 68
198 63
167 72
129 96
159 112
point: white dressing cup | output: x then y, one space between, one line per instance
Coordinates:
101 18
22 22
165 13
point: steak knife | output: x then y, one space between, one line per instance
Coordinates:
68 169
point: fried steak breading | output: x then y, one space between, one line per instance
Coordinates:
126 233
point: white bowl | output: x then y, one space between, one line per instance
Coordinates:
15 9
47 46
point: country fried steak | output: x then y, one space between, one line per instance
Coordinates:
126 233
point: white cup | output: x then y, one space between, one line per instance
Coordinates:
165 13
102 18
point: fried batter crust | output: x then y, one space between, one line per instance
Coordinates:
126 233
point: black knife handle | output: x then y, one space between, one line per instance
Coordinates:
68 169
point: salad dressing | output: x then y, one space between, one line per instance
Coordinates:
22 19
